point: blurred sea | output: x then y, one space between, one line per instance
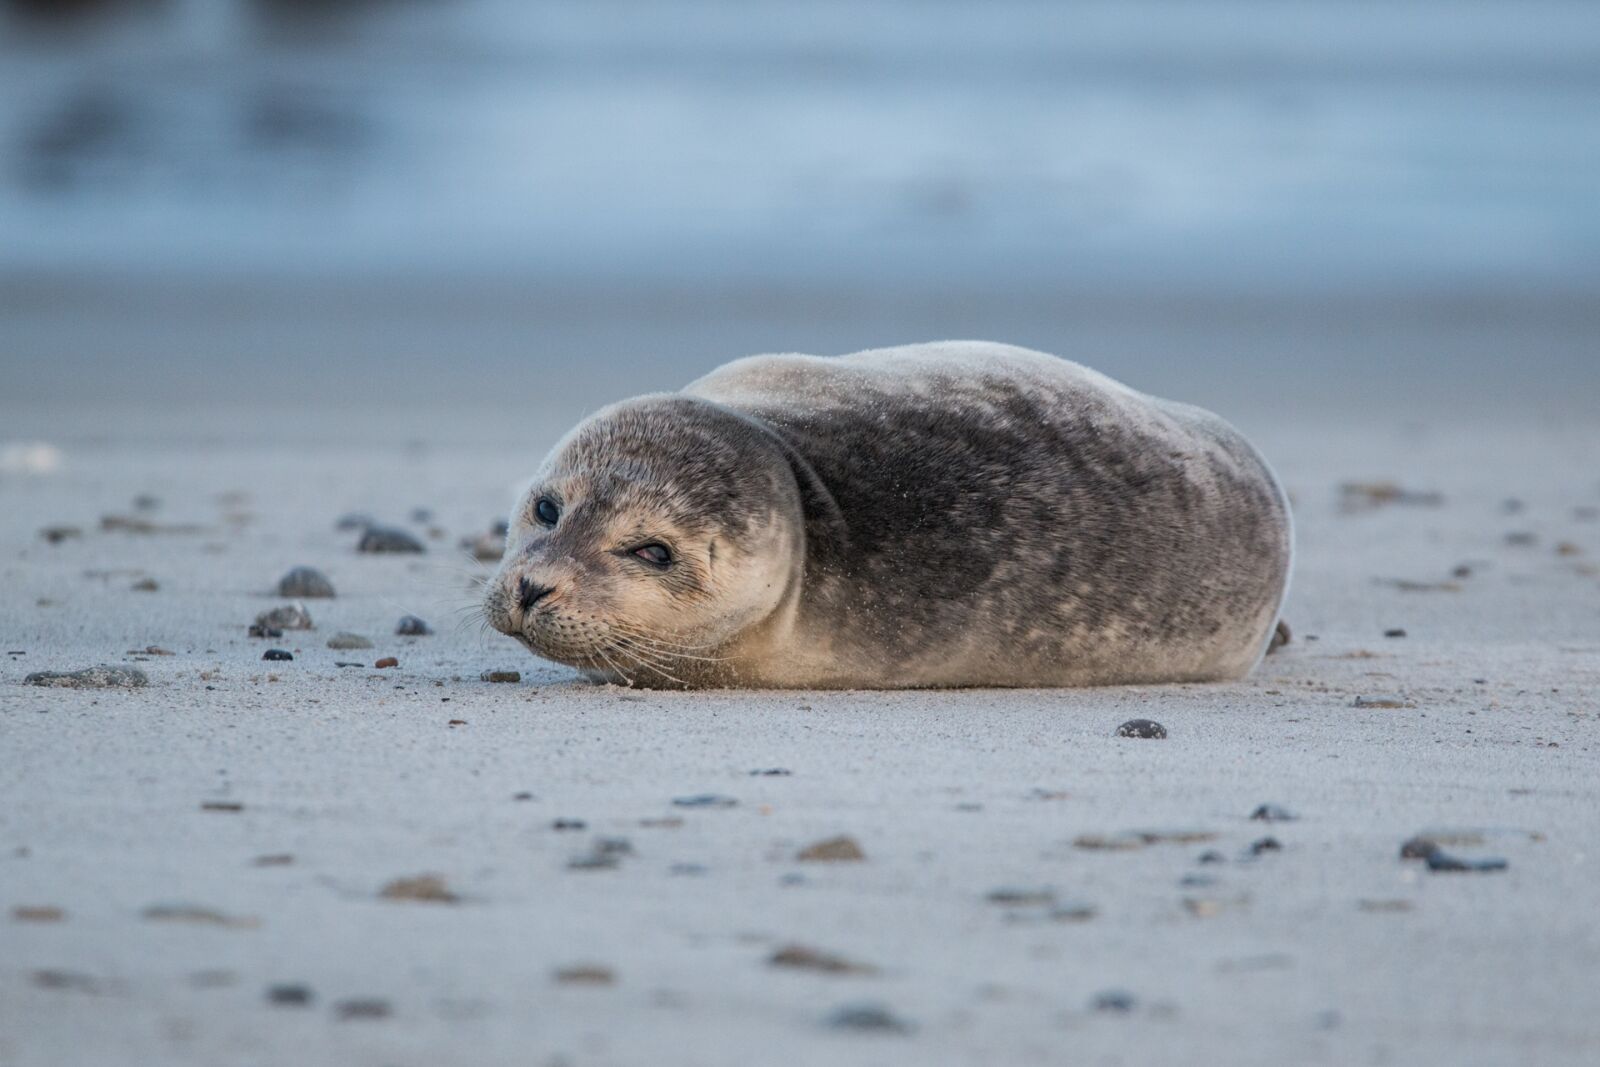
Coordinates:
1264 202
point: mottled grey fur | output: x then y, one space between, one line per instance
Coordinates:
934 515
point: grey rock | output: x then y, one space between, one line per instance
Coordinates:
288 617
1142 728
90 678
305 582
411 626
388 539
868 1017
345 641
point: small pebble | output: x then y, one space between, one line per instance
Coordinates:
57 534
1265 844
146 585
1418 848
1382 701
832 850
221 805
288 617
411 626
586 974
277 654
1012 896
1440 860
387 661
290 996
705 800
1113 1000
347 663
305 582
1396 632
363 1009
1273 813
42 913
1142 728
388 539
1211 856
90 678
804 958
500 676
348 641
771 772
1521 538
429 888
569 824
868 1018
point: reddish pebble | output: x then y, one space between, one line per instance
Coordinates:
387 661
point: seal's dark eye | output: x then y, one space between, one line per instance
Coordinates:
660 555
547 511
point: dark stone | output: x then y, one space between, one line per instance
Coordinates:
305 582
1113 1000
501 676
1418 848
388 539
1396 632
1273 813
1440 860
1212 856
1265 844
867 1017
705 800
411 626
1142 728
771 772
290 995
277 655
569 824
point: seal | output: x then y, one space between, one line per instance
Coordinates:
949 514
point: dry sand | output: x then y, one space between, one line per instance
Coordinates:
1329 950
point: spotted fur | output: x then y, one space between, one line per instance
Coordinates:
949 514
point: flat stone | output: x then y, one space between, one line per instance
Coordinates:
346 641
1147 728
305 582
388 539
705 800
428 888
1382 701
501 676
832 850
589 974
288 617
869 1018
804 958
290 995
90 678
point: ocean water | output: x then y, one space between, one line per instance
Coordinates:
216 184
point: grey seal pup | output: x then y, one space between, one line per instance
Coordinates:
950 514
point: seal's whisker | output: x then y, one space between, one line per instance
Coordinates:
662 644
636 641
618 671
646 665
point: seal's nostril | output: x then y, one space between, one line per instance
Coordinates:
529 594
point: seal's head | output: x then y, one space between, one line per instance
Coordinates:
657 535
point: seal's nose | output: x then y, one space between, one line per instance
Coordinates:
529 594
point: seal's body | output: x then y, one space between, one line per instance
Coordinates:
954 514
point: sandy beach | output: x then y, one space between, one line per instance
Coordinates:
194 872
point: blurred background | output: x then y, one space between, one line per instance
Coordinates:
361 212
